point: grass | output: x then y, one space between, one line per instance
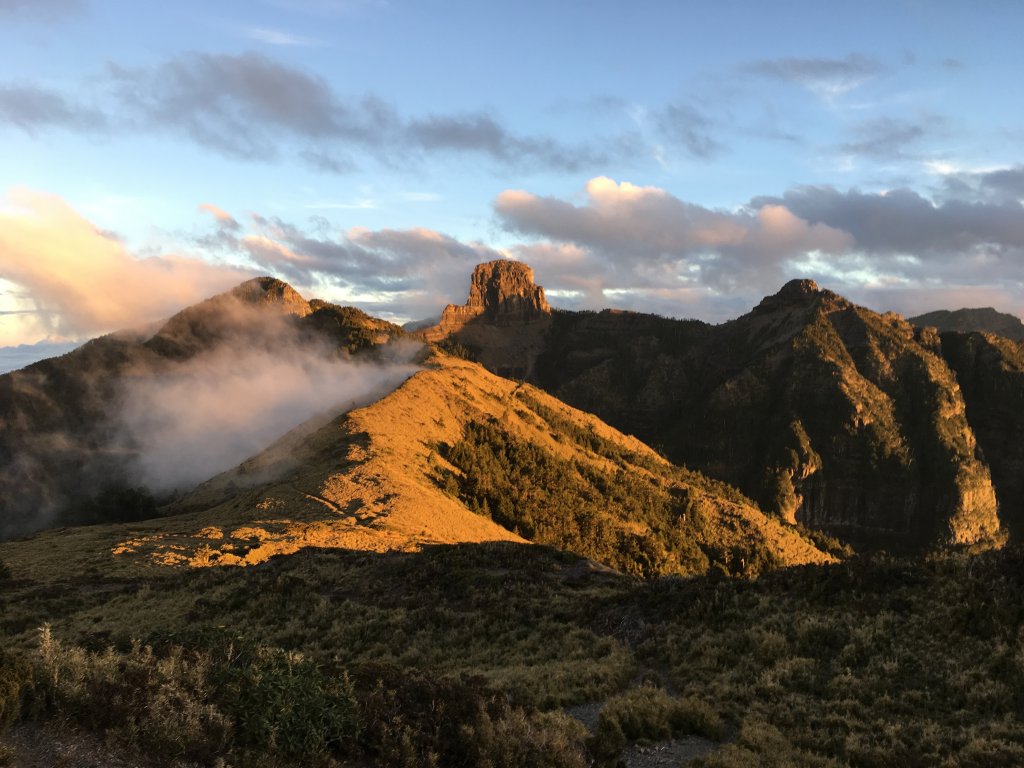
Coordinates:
872 662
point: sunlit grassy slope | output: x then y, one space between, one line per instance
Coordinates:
371 479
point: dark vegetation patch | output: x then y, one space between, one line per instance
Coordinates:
658 521
465 655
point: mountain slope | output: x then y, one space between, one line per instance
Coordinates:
827 413
65 454
372 479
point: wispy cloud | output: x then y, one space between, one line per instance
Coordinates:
272 36
250 106
888 138
34 108
39 10
826 77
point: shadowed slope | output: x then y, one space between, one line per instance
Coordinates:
827 413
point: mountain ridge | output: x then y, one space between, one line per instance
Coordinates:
966 320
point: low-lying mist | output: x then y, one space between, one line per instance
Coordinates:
212 412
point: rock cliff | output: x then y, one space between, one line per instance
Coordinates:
502 321
990 370
501 293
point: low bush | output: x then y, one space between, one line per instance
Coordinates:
413 719
17 688
647 714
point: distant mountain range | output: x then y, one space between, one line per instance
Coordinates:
984 320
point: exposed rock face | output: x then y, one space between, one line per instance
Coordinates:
271 292
984 320
503 320
501 293
827 413
990 369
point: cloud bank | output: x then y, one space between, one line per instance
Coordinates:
249 106
212 412
83 281
644 246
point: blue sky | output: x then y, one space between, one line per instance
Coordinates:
683 158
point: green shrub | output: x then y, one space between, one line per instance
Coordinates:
412 719
281 703
5 571
647 714
156 703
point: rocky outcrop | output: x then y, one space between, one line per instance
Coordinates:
983 320
825 412
273 293
502 323
501 293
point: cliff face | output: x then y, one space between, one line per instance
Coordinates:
502 321
501 293
827 413
990 370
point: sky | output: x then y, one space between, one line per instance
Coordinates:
679 158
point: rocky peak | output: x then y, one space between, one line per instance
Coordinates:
505 289
796 289
800 294
271 292
501 293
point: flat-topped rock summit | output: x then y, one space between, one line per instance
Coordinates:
502 293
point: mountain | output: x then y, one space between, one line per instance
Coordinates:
826 413
65 453
430 463
985 320
455 454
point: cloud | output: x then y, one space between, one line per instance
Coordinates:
241 105
212 412
904 222
995 185
685 127
643 248
33 108
826 77
405 273
249 106
277 37
223 218
646 237
480 132
887 138
84 279
39 10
